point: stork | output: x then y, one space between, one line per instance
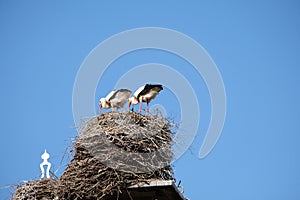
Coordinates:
115 99
146 93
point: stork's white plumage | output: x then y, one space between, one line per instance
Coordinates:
146 93
115 99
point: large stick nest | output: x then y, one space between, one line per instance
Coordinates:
44 189
112 152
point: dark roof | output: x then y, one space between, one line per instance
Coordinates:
158 189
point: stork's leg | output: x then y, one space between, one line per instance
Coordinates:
140 109
147 109
112 107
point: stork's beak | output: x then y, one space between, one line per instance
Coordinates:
99 110
129 104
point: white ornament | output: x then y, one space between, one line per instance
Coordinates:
45 156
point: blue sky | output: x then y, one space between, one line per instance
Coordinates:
255 45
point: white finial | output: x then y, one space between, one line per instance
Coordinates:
45 156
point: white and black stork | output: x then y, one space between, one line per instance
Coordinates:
115 99
146 93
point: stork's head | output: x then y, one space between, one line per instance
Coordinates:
102 103
132 100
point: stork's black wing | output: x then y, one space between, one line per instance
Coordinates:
126 91
149 87
120 98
